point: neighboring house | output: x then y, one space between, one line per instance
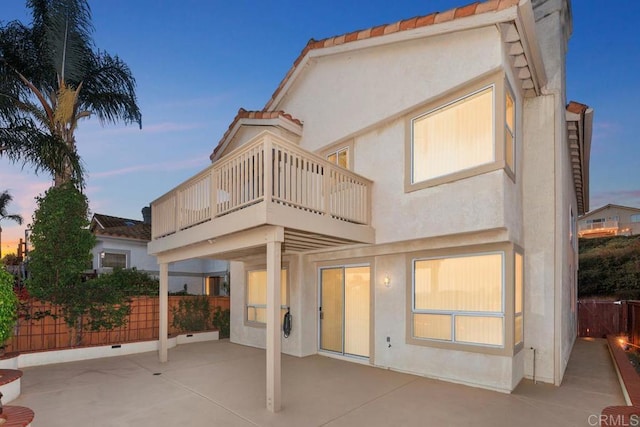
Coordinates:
410 192
610 220
122 243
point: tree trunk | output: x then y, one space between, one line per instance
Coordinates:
64 175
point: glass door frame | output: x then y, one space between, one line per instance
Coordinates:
344 267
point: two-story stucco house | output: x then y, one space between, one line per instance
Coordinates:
410 194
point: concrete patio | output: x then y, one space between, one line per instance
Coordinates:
223 384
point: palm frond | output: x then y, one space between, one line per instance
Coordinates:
21 50
67 33
109 91
5 199
25 142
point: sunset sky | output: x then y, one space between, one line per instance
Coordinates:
197 62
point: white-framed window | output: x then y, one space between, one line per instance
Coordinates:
460 299
635 218
509 128
339 156
256 295
518 315
454 137
464 133
113 260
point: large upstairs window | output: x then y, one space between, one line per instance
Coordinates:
465 133
454 137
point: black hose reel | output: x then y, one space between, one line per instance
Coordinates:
286 325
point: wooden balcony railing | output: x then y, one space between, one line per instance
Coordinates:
605 227
267 170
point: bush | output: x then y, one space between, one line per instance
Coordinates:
192 314
610 267
129 282
8 306
222 321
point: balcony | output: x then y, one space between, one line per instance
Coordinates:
266 181
600 229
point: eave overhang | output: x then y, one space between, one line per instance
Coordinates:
579 119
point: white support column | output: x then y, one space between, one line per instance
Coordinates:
274 252
164 312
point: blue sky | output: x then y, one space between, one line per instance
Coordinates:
197 61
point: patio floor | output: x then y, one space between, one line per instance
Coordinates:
223 384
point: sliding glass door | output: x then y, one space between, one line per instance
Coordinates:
345 294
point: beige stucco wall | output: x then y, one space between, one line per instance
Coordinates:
550 261
344 93
242 332
539 235
389 316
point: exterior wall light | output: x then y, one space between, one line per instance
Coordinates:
387 281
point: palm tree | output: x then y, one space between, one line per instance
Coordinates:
51 77
5 199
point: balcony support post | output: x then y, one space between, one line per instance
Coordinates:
163 298
274 263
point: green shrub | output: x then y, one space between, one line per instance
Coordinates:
222 321
129 282
610 267
192 314
8 306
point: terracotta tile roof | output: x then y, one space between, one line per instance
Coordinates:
244 114
476 8
576 107
106 225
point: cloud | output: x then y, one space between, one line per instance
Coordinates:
619 197
154 128
162 166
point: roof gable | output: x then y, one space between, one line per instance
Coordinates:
419 22
253 118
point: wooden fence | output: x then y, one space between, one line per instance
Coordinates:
599 318
634 322
52 333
